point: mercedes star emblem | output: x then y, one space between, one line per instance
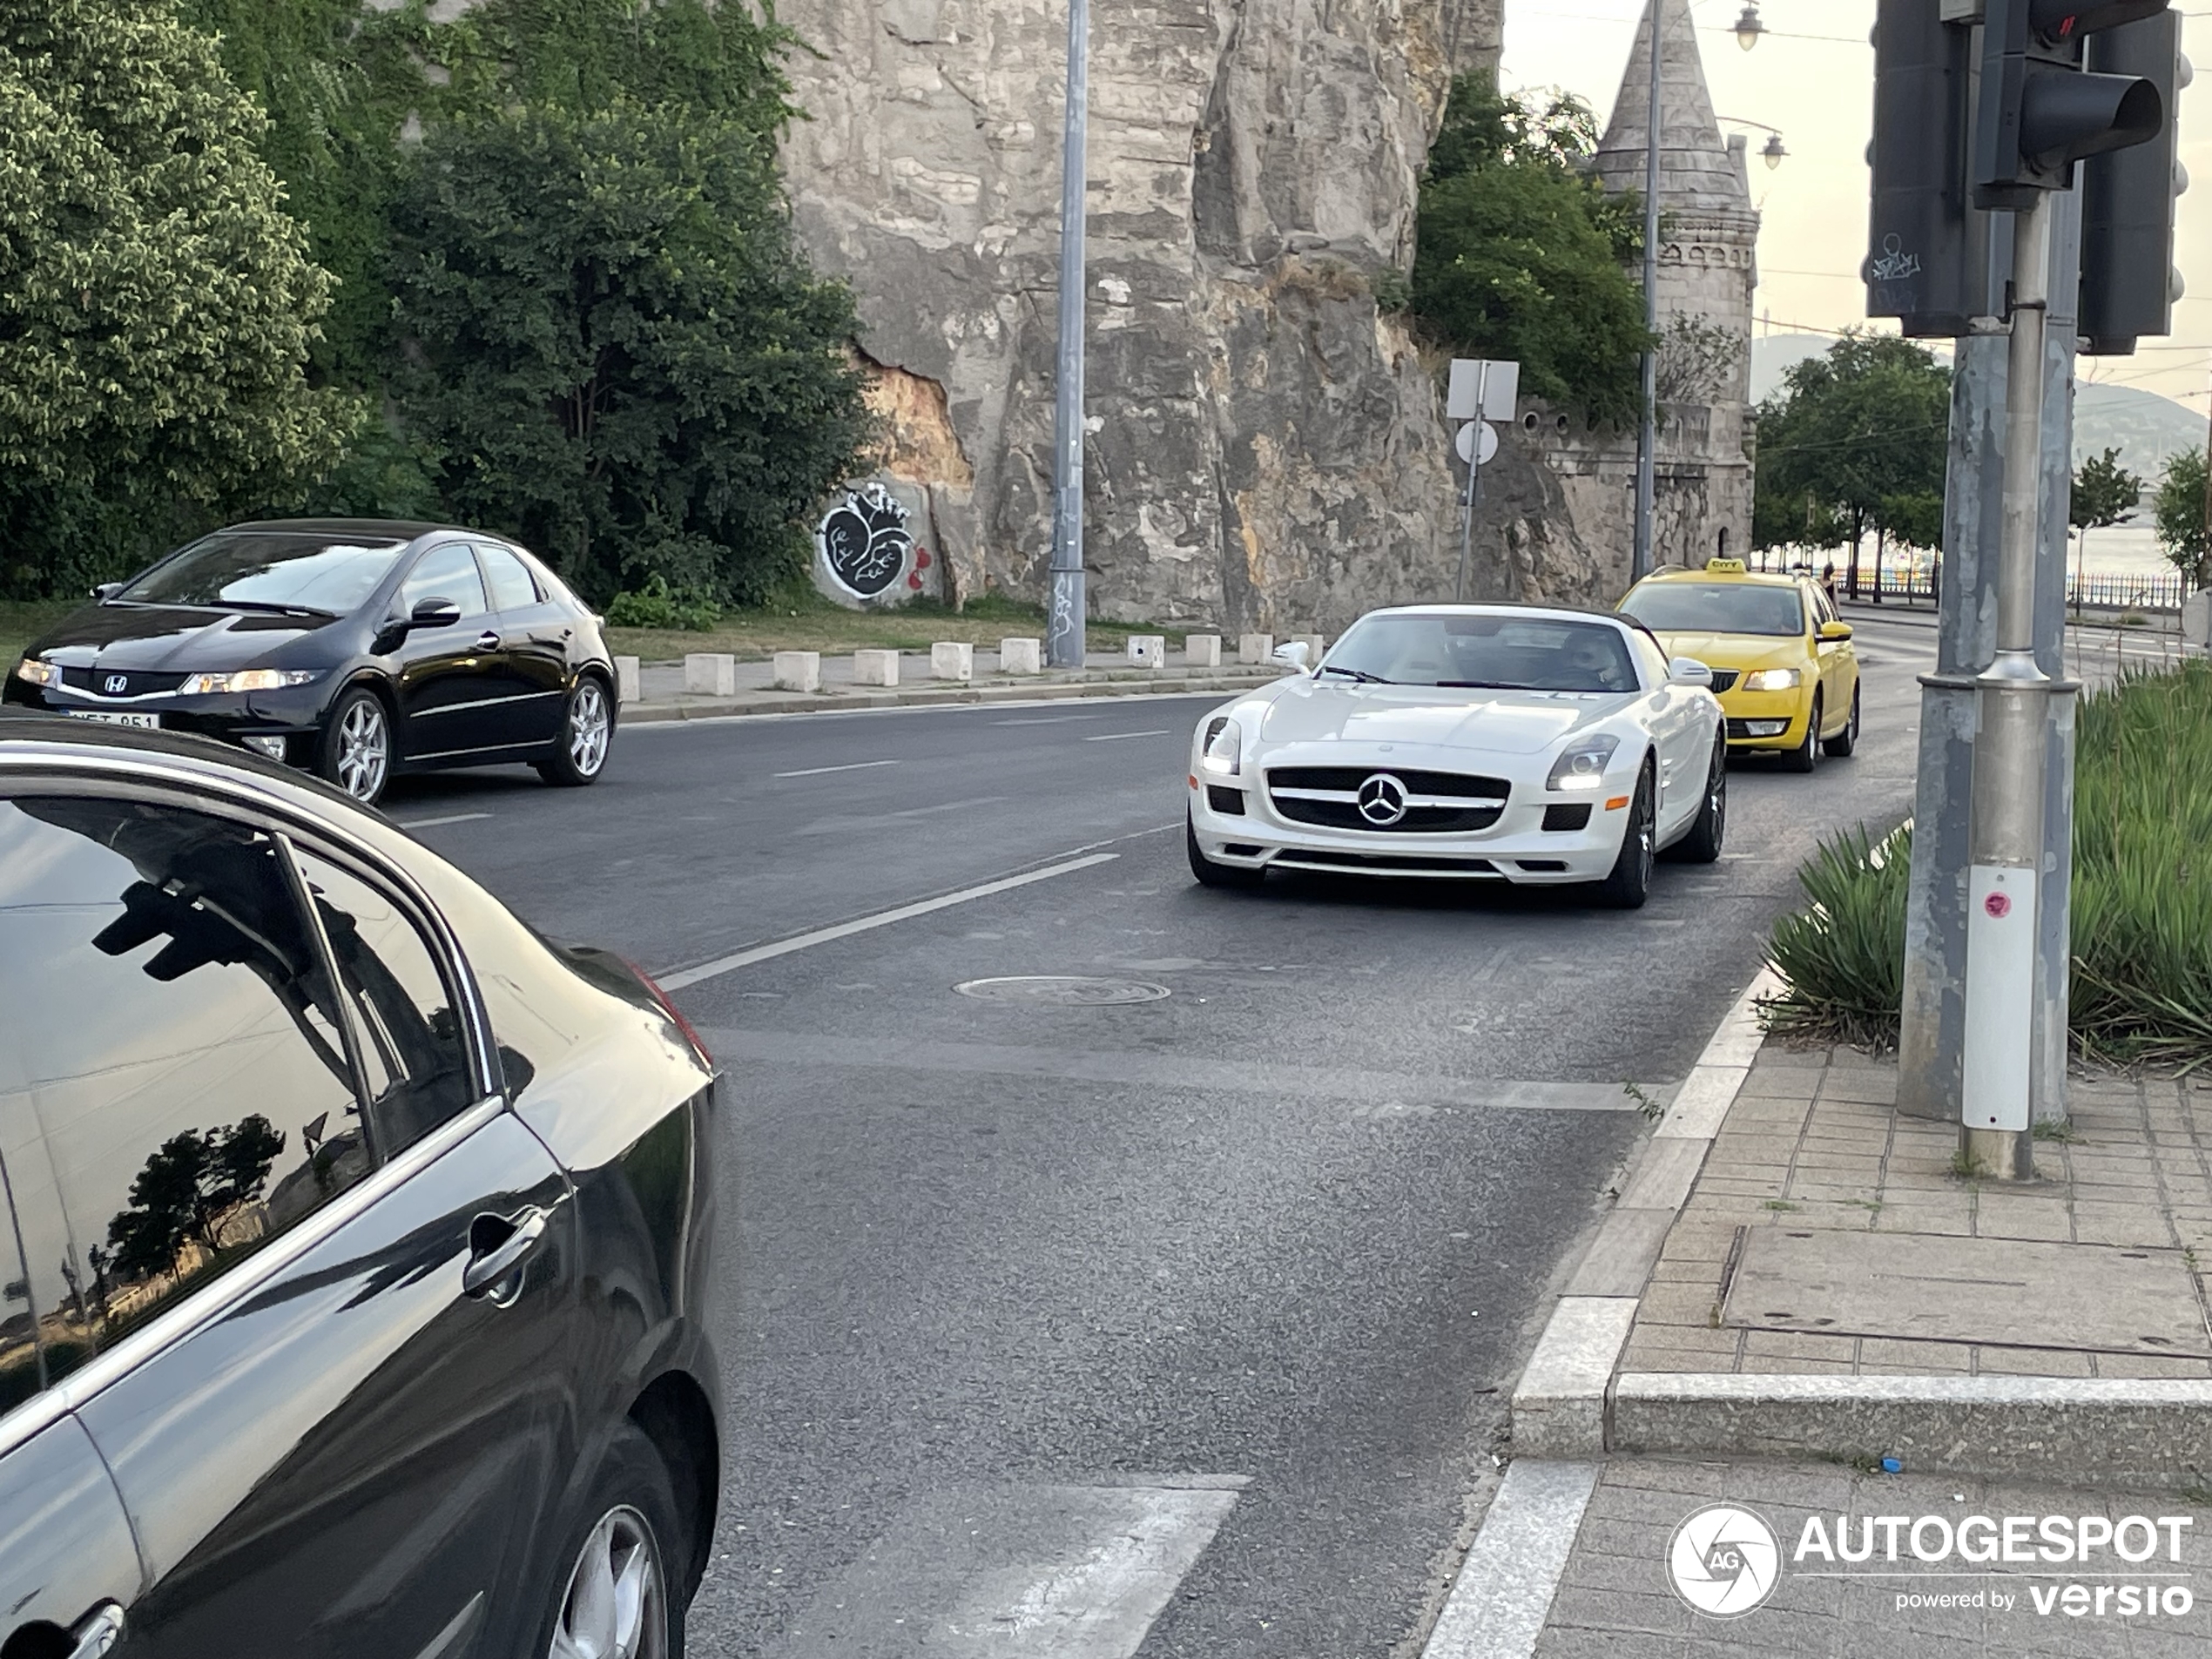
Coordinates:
117 684
1382 800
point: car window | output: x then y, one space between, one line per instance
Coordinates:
269 568
413 1054
511 586
1716 608
174 1090
1488 651
447 572
1822 612
1651 658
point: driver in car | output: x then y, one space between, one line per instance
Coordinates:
1593 663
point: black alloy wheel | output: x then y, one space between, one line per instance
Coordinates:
1710 832
1629 884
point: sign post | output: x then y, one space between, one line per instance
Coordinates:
1481 390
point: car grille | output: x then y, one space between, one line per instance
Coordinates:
137 682
1724 679
1437 803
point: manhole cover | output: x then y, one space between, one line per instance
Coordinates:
1063 990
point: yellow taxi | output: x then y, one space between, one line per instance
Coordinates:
1783 662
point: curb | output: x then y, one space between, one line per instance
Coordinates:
1133 684
1569 1405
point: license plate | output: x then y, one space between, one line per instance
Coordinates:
153 722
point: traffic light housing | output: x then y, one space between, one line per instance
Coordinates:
1929 261
2128 283
2041 111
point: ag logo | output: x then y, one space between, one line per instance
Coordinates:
1725 1562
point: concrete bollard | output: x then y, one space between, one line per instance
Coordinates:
953 659
711 673
627 686
875 668
798 671
1148 651
1254 651
1021 657
1201 651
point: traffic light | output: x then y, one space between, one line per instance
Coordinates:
2040 110
1928 264
2128 283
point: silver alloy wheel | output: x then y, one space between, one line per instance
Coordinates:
611 1609
587 729
364 749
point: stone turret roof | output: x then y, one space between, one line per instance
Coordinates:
1698 174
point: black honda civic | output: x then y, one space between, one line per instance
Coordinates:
356 1244
357 648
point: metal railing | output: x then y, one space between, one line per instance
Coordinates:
2091 591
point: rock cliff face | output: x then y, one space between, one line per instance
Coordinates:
1266 449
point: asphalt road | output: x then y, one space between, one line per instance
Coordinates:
1175 1328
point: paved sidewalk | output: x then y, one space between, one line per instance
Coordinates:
1104 674
1811 1148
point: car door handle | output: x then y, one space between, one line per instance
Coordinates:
97 1631
498 1245
486 641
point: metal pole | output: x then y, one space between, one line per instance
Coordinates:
1648 432
1474 479
1064 627
2004 879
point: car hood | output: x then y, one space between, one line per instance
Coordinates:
1744 652
162 636
1514 723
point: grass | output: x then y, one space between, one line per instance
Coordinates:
811 622
23 621
2142 900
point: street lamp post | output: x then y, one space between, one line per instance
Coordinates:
1064 627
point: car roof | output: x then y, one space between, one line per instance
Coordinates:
393 530
1754 578
1563 613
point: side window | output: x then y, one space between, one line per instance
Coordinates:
447 572
1649 658
1822 610
174 1090
414 1059
511 586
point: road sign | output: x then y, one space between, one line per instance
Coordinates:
1481 387
1465 442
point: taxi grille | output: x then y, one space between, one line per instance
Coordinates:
1724 679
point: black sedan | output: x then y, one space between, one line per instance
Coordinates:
357 648
354 1240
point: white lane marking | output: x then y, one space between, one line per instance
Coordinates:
1116 736
722 965
949 806
1050 719
432 823
1504 1592
1014 1572
817 771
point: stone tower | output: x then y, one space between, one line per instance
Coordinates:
1708 268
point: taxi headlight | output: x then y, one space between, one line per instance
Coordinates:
1774 679
249 679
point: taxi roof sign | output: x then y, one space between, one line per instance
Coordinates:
1727 567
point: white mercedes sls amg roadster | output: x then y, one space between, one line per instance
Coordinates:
1499 743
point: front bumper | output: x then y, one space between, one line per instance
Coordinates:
1759 721
293 716
1517 849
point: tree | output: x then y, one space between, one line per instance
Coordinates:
2183 506
619 354
1521 254
157 305
1862 426
189 1186
2104 493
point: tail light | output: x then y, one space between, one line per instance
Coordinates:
673 1013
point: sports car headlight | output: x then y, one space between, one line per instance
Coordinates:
1581 764
33 672
1774 679
249 679
1225 747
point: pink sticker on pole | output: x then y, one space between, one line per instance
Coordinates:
1999 905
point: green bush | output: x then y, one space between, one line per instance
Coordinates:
655 605
2142 900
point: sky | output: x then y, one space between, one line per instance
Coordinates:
1811 76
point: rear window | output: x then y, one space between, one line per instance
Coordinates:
269 570
1716 608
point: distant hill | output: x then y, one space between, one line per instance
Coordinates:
2146 429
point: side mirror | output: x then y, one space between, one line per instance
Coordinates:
434 612
1835 630
1293 655
107 591
1688 671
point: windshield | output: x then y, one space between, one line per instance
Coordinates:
1716 608
1492 652
251 570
